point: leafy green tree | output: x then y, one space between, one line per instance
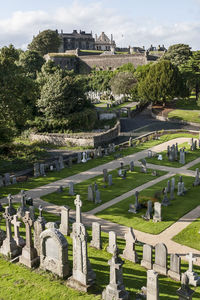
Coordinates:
162 83
123 83
129 67
99 80
45 42
32 62
178 54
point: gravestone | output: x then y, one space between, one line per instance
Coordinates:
97 197
152 285
160 264
22 209
2 236
194 279
197 180
95 186
54 252
165 201
136 206
129 251
168 186
83 276
130 142
29 255
64 224
172 187
9 246
115 289
143 166
110 179
60 189
32 212
182 156
96 236
146 261
150 154
148 214
11 210
39 227
157 217
14 180
132 166
36 169
184 292
112 242
90 193
99 151
175 267
57 166
105 175
1 181
84 159
70 161
78 204
7 179
106 152
42 170
180 191
61 162
18 239
95 153
79 157
71 188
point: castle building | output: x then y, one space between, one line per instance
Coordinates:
103 43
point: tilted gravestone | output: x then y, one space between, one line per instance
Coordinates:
96 236
29 255
184 292
175 267
160 264
83 276
146 261
54 252
115 289
90 193
64 224
39 227
157 217
129 251
9 246
152 285
112 242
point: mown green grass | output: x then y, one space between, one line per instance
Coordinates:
185 115
119 187
19 282
77 168
190 156
179 206
190 235
188 103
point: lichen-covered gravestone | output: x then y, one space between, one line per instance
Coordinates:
116 289
54 252
112 242
129 251
96 236
160 264
18 239
175 267
64 224
157 217
146 261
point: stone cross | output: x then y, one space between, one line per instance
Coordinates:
18 239
184 292
28 223
191 260
78 204
112 242
152 285
11 209
9 219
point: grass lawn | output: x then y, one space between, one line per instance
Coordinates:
179 206
190 156
189 103
195 167
185 115
54 176
119 187
190 235
17 280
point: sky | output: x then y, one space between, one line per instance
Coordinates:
132 22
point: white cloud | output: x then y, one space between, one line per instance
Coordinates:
21 26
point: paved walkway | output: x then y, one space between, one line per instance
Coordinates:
89 217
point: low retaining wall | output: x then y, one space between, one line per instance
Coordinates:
162 118
83 139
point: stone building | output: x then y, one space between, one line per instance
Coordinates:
74 40
103 43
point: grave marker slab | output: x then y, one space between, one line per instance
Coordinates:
146 261
160 264
96 236
129 251
175 267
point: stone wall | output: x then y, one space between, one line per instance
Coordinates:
82 139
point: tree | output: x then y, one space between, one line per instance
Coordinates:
162 83
32 62
123 83
45 42
99 80
178 54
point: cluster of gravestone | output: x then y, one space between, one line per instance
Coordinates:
7 179
94 193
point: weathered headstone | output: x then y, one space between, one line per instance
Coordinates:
39 226
36 169
132 166
84 159
95 186
105 175
18 239
157 217
90 193
70 161
79 157
22 209
82 274
143 166
146 261
160 264
71 188
96 236
29 255
182 157
61 162
179 192
115 289
184 292
42 170
129 251
99 151
110 179
14 180
7 179
148 214
150 154
1 181
168 186
130 142
11 210
194 279
152 285
9 246
54 252
112 242
78 204
175 267
64 224
165 201
97 197
197 180
2 236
